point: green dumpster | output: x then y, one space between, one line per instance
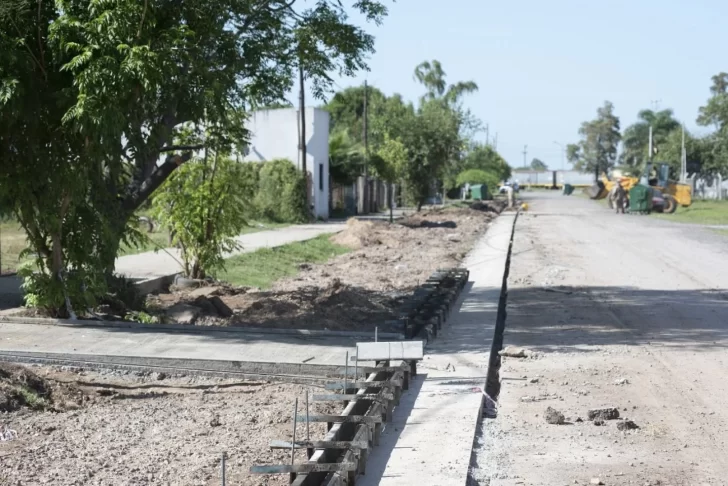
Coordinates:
568 189
640 199
479 192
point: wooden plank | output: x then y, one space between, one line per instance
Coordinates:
337 397
320 444
389 351
340 419
304 468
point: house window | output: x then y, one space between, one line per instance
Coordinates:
321 177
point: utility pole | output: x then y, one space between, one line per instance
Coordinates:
495 142
683 159
365 137
649 155
598 154
302 131
525 154
487 134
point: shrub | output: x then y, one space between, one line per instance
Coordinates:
281 193
475 176
204 204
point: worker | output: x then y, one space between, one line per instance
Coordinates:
618 197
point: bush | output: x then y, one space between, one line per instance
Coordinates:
204 203
281 193
475 176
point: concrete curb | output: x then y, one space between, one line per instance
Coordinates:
294 372
40 321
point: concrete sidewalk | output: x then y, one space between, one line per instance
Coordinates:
162 263
430 438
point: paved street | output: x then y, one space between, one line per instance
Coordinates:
624 311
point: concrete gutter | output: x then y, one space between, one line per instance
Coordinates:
191 329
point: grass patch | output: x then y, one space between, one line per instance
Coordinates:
31 398
700 212
12 242
263 267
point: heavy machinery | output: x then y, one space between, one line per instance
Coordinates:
666 194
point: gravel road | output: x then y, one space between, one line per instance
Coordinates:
622 311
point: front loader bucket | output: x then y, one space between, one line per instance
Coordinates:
597 190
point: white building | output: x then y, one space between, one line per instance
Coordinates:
274 135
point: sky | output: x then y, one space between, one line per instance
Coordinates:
543 67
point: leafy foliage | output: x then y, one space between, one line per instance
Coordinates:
636 136
93 95
538 164
346 157
281 193
476 176
204 207
599 144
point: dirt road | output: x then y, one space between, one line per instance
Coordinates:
622 311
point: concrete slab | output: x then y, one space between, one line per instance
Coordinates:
271 348
431 437
386 351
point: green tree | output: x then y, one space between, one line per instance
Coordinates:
432 76
346 157
538 164
93 94
475 176
600 137
715 111
205 206
636 136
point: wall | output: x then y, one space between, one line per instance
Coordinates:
545 177
274 135
709 187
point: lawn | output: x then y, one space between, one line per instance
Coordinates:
263 267
700 212
12 242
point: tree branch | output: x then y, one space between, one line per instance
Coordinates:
172 148
155 179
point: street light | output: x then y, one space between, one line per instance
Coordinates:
563 155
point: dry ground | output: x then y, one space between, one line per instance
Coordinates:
356 291
622 311
119 428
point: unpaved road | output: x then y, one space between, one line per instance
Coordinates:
623 311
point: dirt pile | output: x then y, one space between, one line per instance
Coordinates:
356 291
21 388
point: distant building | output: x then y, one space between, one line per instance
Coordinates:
274 135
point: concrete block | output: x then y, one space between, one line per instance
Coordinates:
389 351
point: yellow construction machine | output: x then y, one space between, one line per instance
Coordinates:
667 194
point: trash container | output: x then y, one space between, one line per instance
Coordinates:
640 199
568 189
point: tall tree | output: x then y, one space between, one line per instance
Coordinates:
715 111
600 137
433 77
636 136
93 95
538 164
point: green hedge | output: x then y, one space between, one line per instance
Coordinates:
281 191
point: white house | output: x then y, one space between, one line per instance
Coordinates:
274 135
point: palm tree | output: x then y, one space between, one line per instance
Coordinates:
636 137
432 76
346 157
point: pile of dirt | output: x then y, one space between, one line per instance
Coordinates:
360 234
356 291
20 388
